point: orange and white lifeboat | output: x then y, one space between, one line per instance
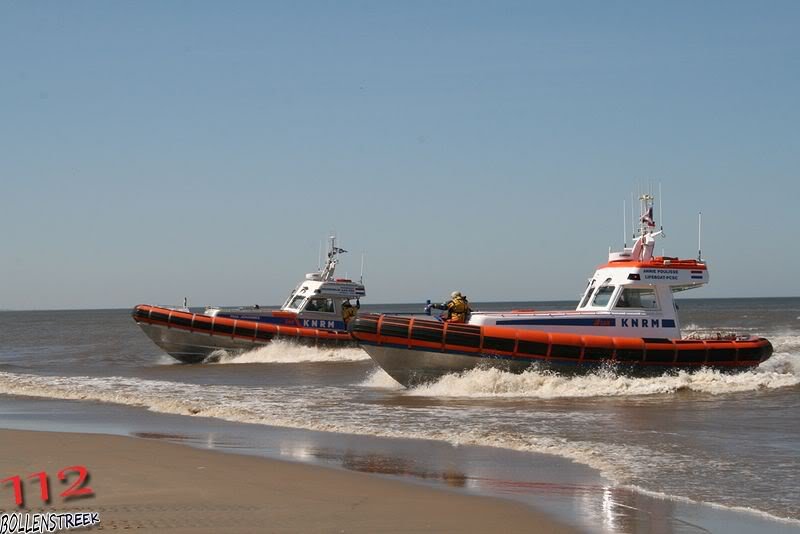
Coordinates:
312 314
626 315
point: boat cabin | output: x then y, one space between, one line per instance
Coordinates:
629 296
316 302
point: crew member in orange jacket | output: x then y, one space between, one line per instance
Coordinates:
457 307
349 311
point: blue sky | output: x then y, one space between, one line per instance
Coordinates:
152 150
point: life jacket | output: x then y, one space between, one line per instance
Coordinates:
348 312
459 310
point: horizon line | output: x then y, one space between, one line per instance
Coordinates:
379 304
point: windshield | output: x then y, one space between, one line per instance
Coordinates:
588 294
296 303
640 298
603 294
321 305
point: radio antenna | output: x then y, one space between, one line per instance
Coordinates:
361 278
624 226
660 207
633 224
699 235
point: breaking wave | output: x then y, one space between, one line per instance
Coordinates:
785 344
276 406
605 383
279 407
288 352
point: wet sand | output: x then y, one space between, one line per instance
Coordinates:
152 486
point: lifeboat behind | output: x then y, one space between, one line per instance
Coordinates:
192 337
313 314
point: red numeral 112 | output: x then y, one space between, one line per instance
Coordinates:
78 488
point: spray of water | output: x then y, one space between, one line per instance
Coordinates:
288 352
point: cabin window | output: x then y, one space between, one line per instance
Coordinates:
588 294
603 294
321 305
296 303
638 298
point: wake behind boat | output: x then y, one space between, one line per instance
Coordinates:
627 316
315 313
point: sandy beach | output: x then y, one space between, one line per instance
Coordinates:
152 486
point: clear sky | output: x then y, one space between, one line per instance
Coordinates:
151 150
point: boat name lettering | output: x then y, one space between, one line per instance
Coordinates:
660 274
641 323
318 323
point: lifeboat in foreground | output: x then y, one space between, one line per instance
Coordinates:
413 350
312 315
626 317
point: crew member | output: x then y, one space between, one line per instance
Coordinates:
349 311
457 307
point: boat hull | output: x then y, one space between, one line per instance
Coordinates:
192 337
192 347
412 367
414 351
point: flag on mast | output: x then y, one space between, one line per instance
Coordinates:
648 218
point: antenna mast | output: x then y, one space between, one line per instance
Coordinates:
361 278
633 224
327 274
624 226
699 235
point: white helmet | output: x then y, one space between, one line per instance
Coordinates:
455 294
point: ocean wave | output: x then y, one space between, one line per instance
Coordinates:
781 370
279 407
288 352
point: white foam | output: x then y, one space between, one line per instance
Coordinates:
166 359
278 407
782 370
378 378
288 352
782 343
